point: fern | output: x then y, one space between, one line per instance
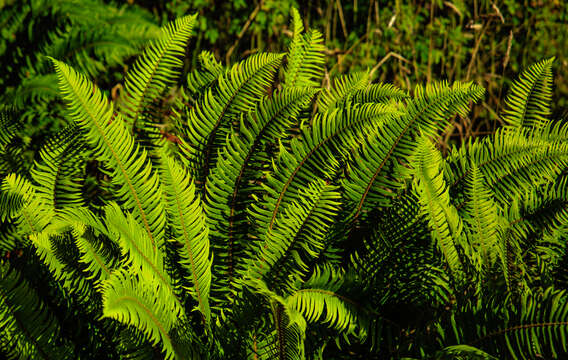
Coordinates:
247 212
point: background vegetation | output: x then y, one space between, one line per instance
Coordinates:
403 42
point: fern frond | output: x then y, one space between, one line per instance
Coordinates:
305 56
369 183
227 186
343 89
208 71
319 300
139 185
95 255
528 101
283 336
319 151
535 326
158 67
189 228
19 201
9 125
28 327
234 92
296 238
432 192
484 222
58 174
378 93
139 255
136 303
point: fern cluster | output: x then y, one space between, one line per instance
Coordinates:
252 213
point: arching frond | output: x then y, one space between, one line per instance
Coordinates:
376 174
319 300
139 186
136 303
227 186
528 101
317 153
432 192
142 260
379 93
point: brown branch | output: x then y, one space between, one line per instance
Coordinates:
245 27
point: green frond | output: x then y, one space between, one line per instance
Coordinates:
187 220
9 125
305 58
18 200
136 303
484 224
227 186
528 101
433 194
45 249
378 93
297 24
297 237
319 300
534 327
158 67
95 255
107 134
208 70
283 336
28 327
343 89
59 173
318 152
513 163
139 254
92 52
210 120
375 175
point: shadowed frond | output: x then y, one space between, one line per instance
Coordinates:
59 173
28 329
